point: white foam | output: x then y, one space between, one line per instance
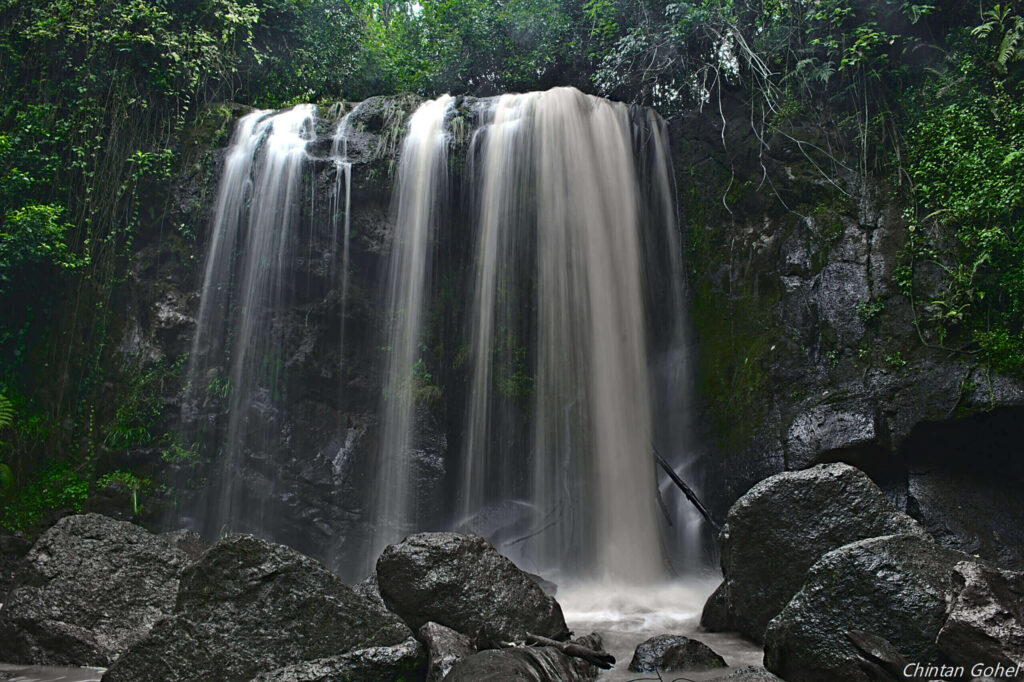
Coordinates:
634 608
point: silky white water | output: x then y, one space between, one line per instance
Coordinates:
560 276
562 368
234 352
421 180
625 615
341 211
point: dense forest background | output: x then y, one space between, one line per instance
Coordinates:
98 97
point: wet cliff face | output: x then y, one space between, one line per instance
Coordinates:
318 430
288 417
806 351
803 349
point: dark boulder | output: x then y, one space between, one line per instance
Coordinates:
715 616
828 428
445 648
405 662
964 479
674 652
785 523
13 550
526 664
462 582
368 589
249 606
550 588
91 588
986 619
894 587
188 541
877 656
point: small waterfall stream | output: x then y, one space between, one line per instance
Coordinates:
342 207
419 194
235 351
564 273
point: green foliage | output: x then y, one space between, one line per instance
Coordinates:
219 387
309 50
6 480
6 412
424 389
131 483
176 453
6 473
895 360
968 222
512 377
35 235
869 310
57 487
1007 28
137 417
479 46
94 94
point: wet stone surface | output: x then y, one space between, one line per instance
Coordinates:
34 673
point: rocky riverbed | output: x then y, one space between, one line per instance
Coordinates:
817 564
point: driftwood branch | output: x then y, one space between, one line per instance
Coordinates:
690 495
601 659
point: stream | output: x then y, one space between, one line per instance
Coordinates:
628 615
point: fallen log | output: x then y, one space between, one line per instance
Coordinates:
601 659
690 495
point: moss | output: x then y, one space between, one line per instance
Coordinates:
735 340
731 310
211 131
827 227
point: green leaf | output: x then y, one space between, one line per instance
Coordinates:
6 479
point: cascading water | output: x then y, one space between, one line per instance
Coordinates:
560 264
257 207
419 195
564 271
342 207
670 371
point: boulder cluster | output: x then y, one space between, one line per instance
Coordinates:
819 567
94 591
837 584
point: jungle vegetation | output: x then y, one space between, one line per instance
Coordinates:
96 95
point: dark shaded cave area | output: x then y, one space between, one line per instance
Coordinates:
965 482
961 478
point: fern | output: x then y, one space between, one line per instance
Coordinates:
1011 45
6 417
1010 49
6 411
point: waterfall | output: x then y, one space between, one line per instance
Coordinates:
342 187
235 352
563 271
670 368
419 194
559 210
